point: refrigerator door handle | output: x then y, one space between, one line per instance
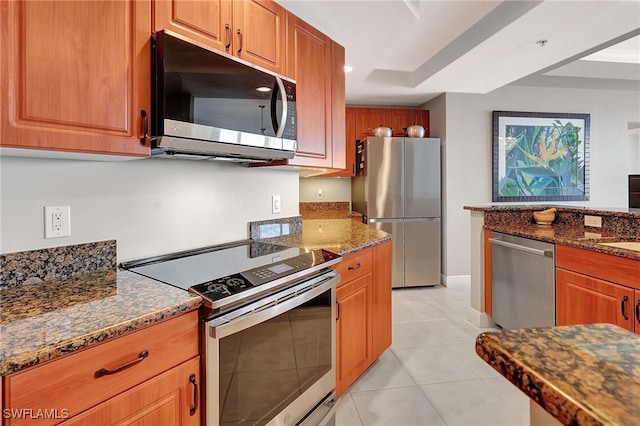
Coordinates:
421 219
381 220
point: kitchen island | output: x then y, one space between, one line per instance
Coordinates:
579 374
568 230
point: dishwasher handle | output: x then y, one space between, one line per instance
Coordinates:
530 250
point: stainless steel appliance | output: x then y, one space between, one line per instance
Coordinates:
397 189
207 105
522 282
268 329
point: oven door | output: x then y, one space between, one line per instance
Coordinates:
271 362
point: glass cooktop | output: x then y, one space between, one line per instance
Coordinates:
221 272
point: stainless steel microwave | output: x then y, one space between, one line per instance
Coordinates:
207 105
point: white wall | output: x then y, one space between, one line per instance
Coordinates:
149 206
333 189
467 168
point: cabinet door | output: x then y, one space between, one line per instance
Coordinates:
205 21
381 298
172 398
311 68
370 118
75 75
400 119
581 299
353 329
259 33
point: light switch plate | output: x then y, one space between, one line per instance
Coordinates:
276 207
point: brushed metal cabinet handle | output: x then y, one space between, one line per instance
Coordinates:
354 267
227 30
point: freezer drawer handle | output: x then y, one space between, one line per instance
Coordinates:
354 267
545 253
106 372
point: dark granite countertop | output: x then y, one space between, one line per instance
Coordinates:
42 321
609 211
342 236
580 374
568 228
571 236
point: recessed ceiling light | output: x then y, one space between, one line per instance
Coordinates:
348 68
263 89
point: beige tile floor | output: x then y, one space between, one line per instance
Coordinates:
431 375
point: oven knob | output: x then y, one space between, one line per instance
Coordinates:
287 418
235 282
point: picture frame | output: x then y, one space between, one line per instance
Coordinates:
540 156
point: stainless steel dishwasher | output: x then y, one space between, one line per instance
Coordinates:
522 282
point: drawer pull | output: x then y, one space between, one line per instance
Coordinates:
106 372
638 312
194 408
228 35
354 267
240 42
623 306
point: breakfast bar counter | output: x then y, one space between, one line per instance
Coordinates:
579 374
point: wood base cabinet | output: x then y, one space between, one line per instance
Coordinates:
364 312
354 333
382 258
150 374
594 287
74 76
581 299
161 400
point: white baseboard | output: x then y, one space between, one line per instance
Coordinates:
456 281
480 319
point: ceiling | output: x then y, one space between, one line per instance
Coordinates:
405 52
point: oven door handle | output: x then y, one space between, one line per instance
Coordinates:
271 306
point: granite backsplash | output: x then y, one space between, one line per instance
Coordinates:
36 266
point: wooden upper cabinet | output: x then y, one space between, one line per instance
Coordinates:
208 22
74 76
260 33
368 119
253 30
395 118
400 119
311 54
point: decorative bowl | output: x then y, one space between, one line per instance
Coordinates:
545 217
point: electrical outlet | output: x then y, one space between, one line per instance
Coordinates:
594 221
275 204
57 221
319 194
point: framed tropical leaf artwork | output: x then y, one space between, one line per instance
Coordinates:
540 156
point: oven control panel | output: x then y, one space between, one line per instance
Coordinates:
221 288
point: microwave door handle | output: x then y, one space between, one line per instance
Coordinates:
278 125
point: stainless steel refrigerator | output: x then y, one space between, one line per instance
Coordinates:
397 189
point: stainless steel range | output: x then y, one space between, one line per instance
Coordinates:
268 329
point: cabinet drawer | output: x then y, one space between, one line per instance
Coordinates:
599 265
354 265
71 383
